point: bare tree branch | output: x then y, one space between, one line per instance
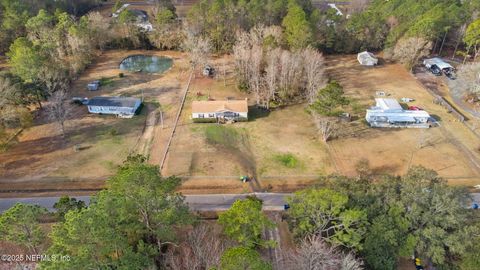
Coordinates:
59 109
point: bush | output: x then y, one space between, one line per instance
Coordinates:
104 81
204 120
288 160
121 75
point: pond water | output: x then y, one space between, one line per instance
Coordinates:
146 64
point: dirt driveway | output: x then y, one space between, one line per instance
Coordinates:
451 149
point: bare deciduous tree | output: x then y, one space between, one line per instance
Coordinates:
315 254
199 251
409 49
271 76
99 29
59 109
467 83
54 79
327 127
255 71
313 68
270 72
198 48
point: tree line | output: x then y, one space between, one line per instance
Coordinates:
140 221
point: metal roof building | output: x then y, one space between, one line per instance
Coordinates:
438 62
367 59
389 113
121 106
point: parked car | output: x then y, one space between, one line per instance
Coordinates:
450 73
415 108
79 100
435 70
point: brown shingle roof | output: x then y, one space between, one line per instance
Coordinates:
206 106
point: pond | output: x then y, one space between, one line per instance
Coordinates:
146 64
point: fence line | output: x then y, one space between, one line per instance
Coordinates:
176 121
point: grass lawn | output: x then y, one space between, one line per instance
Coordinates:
275 146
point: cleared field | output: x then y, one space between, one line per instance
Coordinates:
449 149
42 159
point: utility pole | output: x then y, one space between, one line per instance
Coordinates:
224 72
161 118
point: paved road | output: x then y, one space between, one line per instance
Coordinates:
210 202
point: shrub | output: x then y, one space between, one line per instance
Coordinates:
288 160
104 81
112 132
204 120
121 75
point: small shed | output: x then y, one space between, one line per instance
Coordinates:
124 107
367 59
93 86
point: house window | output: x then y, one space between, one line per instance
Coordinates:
201 115
211 115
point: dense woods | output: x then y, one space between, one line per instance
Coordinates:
348 223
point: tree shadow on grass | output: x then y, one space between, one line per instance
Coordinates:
255 113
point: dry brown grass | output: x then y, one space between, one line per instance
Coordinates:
41 159
446 149
289 130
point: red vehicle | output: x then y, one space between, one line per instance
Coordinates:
415 108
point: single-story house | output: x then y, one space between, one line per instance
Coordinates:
389 113
124 107
367 59
219 110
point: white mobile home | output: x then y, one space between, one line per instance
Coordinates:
219 110
124 107
388 113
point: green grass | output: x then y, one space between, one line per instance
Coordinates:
222 135
288 160
104 81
